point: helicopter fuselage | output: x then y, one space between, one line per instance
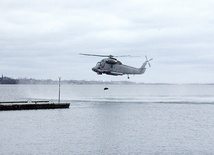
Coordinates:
112 66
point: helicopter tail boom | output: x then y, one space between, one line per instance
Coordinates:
143 67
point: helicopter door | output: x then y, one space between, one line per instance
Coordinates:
102 64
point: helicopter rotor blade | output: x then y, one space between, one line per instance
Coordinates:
109 56
123 56
126 56
96 55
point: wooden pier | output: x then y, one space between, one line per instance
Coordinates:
32 105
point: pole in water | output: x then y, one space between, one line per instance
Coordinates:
59 89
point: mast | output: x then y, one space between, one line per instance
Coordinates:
59 89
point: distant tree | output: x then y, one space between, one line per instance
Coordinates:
7 80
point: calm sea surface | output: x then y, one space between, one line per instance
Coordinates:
126 119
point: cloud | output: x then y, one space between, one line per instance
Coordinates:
48 35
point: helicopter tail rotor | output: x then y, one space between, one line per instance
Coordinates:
148 61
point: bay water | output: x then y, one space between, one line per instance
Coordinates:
125 119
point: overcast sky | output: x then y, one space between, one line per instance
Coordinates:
42 39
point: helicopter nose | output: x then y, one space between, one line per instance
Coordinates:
94 69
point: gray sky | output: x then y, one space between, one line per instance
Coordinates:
43 38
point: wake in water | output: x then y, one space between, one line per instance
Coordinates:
146 100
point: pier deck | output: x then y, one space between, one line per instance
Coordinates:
26 105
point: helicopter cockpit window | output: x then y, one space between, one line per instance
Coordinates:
98 64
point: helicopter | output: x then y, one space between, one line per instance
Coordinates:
111 66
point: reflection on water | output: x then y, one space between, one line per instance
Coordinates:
136 119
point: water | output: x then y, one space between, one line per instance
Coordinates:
126 119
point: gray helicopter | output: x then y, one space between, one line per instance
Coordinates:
112 66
